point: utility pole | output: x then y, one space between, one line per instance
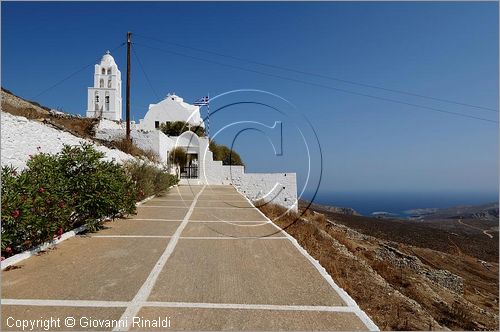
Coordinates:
127 112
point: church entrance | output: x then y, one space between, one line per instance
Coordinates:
190 170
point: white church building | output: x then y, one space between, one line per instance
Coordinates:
105 103
104 99
172 108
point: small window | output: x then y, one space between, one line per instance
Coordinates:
103 71
109 83
101 83
157 124
109 71
96 106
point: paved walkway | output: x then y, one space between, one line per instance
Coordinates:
197 258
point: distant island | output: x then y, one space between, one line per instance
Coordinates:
488 211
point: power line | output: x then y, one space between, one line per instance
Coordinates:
320 85
372 86
72 74
144 72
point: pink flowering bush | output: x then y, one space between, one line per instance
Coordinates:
56 193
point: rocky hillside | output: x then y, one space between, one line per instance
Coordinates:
28 129
486 212
333 209
446 232
76 126
400 286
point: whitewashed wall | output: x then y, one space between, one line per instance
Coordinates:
211 172
278 188
153 140
21 138
172 108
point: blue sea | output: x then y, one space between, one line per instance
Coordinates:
398 204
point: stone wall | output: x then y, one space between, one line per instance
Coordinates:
22 137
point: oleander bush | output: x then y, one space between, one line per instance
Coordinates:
148 179
100 188
56 193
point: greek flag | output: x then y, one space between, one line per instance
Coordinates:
202 101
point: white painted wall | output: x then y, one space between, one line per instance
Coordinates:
148 140
278 188
22 137
172 108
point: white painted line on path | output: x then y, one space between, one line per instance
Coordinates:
131 236
193 237
117 304
153 219
232 238
143 293
249 306
342 293
65 303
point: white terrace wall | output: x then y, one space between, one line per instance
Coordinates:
153 140
22 137
211 171
278 188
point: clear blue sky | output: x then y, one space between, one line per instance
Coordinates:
445 50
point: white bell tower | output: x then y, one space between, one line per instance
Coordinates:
105 98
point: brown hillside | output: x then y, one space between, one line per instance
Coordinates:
452 236
400 286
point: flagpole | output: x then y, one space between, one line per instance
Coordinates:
208 117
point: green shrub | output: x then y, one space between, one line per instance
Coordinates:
36 205
176 128
56 193
100 188
178 156
225 154
148 179
164 180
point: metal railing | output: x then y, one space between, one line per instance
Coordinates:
189 172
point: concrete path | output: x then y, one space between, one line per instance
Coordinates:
196 258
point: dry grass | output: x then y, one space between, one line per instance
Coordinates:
81 127
389 309
129 147
395 297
